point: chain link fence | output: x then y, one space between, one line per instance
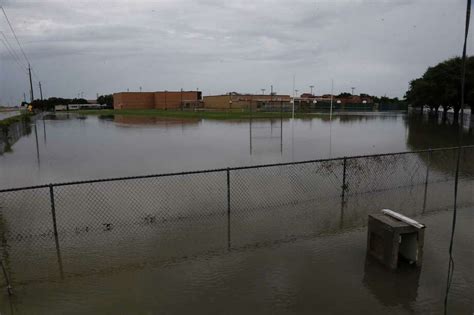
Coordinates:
72 229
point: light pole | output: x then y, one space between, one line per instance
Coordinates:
332 91
352 88
311 87
263 91
271 94
197 97
41 90
294 99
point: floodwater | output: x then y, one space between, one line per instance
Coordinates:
288 244
68 147
327 274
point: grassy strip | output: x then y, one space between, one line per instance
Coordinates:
193 115
5 123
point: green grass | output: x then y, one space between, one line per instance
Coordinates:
220 115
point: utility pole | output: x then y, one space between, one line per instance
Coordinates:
24 97
296 95
311 87
31 84
293 109
332 92
41 90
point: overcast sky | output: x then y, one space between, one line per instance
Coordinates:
220 46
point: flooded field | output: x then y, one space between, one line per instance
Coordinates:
67 147
279 239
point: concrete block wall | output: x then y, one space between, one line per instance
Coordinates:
154 100
134 100
174 99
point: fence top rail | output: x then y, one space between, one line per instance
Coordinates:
216 170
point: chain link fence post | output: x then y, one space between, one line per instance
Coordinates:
343 194
427 177
228 208
53 209
55 227
7 279
344 184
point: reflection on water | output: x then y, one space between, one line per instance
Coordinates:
140 121
394 288
428 132
11 134
425 132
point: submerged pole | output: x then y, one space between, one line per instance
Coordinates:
55 227
228 208
7 279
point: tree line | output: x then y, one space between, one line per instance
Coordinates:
440 87
48 104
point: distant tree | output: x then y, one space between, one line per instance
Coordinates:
78 101
344 94
41 105
106 99
441 86
53 101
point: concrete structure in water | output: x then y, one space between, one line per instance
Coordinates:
158 100
389 239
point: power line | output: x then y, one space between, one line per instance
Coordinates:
22 51
22 67
12 50
14 34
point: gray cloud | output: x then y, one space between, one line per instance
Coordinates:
219 46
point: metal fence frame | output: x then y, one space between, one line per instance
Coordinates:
344 187
228 172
